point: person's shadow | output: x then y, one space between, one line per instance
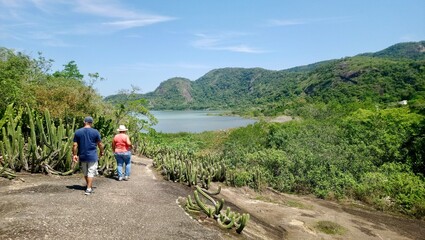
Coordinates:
76 187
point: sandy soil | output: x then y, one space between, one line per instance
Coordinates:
147 207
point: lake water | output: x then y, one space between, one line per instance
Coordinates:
196 121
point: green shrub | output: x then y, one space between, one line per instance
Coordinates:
276 167
329 182
382 132
242 178
394 187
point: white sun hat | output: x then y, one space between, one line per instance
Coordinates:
122 128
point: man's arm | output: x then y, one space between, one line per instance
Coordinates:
100 145
74 152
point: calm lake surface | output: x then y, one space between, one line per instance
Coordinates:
196 121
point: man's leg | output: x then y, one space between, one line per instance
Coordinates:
85 168
91 172
89 181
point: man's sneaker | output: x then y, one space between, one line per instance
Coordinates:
88 191
120 179
126 178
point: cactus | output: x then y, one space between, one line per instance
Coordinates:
241 222
191 206
13 144
205 195
257 179
225 222
204 207
227 219
216 192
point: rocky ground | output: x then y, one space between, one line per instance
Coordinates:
148 207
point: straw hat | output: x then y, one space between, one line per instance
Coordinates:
122 128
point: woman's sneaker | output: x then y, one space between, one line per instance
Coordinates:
120 179
126 178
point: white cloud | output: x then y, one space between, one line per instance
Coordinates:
140 22
241 48
224 42
285 22
292 22
124 18
49 39
12 3
162 66
56 18
104 8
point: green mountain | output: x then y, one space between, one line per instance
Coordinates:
175 93
393 74
409 50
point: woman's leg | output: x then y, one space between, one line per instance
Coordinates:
120 162
127 160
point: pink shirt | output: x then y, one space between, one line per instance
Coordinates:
121 144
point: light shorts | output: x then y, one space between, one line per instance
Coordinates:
89 168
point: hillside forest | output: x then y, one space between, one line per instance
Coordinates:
358 132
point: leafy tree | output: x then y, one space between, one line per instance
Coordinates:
382 133
134 112
70 71
14 71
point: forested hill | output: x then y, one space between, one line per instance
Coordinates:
393 74
410 50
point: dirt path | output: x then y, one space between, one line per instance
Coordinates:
146 207
50 207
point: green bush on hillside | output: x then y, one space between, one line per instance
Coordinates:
393 187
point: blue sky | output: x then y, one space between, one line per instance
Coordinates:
143 43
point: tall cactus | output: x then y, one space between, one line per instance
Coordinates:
13 142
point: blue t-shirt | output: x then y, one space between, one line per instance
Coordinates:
87 139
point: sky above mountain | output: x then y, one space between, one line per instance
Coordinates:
142 43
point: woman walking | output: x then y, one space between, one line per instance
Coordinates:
121 145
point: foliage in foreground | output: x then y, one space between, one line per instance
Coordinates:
40 110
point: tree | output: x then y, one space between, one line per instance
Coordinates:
70 71
14 70
133 110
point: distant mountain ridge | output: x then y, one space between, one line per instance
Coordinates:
394 73
409 50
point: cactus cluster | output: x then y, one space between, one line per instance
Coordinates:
53 148
185 167
227 219
36 143
12 141
145 147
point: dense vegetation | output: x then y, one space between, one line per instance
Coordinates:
40 110
354 140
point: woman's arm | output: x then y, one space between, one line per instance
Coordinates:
130 146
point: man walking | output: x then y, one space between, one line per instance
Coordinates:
86 139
